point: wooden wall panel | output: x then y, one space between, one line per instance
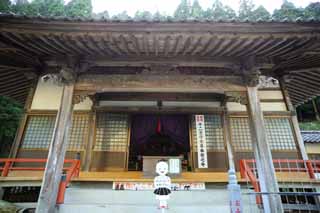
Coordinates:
217 161
108 161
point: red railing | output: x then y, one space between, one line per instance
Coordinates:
248 170
72 170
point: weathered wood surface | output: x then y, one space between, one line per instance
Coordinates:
158 83
295 122
19 134
91 138
316 111
143 96
227 138
267 177
34 178
32 45
52 176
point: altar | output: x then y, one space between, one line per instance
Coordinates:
149 165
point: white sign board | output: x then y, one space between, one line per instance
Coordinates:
174 166
201 142
149 186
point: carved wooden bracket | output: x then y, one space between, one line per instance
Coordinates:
250 71
79 97
268 82
239 97
252 79
69 71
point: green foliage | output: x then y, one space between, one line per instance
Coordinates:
218 11
260 13
312 11
288 11
5 6
159 16
101 15
10 113
79 8
183 10
22 7
246 8
310 125
47 7
187 9
121 16
196 10
143 15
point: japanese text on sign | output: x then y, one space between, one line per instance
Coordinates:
201 142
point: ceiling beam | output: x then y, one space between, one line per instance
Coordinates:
142 96
176 61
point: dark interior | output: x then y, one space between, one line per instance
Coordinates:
158 135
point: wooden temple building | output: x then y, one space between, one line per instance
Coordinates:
112 93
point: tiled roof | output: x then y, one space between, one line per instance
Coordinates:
282 48
166 19
311 136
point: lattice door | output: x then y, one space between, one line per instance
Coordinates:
111 144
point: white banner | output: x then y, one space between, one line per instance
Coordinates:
201 142
145 186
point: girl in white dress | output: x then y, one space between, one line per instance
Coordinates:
162 184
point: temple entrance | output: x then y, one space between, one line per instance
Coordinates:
158 135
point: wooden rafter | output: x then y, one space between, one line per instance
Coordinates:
280 48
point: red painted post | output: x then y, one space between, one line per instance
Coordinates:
242 169
310 169
6 168
78 157
62 189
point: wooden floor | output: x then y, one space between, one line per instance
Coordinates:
214 177
208 177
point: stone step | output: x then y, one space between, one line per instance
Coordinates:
85 208
96 196
101 198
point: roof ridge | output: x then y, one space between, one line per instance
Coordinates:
154 20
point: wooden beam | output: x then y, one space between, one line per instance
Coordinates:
266 172
159 83
294 119
312 69
52 175
316 111
306 92
163 110
143 96
19 134
273 28
307 78
132 61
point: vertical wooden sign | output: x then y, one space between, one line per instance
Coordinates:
201 142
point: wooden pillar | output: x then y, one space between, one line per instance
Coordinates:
267 177
19 134
316 111
294 120
226 129
89 147
52 175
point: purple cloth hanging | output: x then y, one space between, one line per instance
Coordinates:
144 126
